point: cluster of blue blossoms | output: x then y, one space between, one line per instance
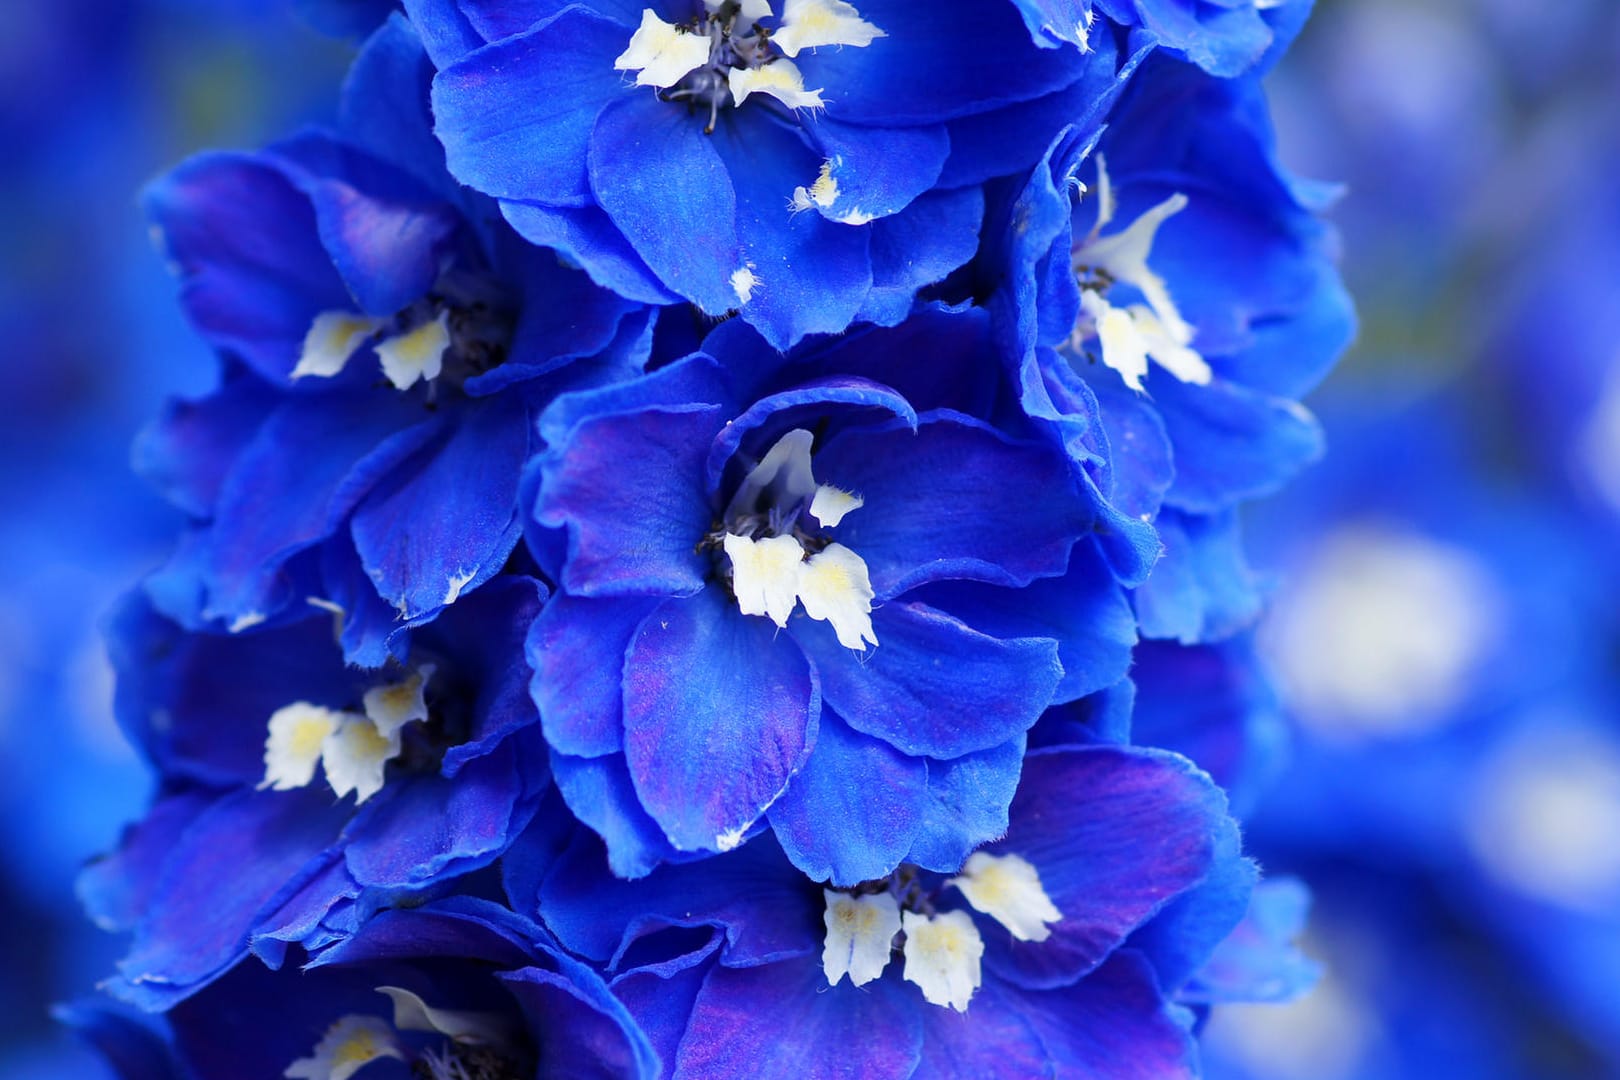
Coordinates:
714 550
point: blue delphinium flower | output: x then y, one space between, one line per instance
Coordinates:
459 989
1039 955
797 162
1177 270
831 590
386 344
261 737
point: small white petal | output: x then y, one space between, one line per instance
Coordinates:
743 282
333 337
417 354
347 1047
293 748
835 586
411 1013
392 707
1124 256
942 956
664 53
356 755
781 80
860 936
1176 357
831 504
808 24
1122 347
765 574
1008 889
784 473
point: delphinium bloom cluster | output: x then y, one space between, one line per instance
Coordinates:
713 552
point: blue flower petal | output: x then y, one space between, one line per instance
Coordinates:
951 60
576 648
588 236
515 117
877 171
250 292
662 181
919 246
816 1032
1202 589
955 499
763 904
720 710
630 489
967 805
1083 818
850 815
445 522
933 686
1084 611
191 936
599 792
1113 1023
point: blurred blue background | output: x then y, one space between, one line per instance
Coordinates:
1445 635
96 98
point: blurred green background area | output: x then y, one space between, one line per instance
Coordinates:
1480 227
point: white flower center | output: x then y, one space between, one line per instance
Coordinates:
779 555
353 748
942 956
942 949
1129 336
1008 889
728 55
860 936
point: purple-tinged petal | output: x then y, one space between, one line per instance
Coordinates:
783 1020
665 186
432 827
262 843
720 710
387 235
1115 834
187 452
660 997
117 888
933 686
198 704
990 1039
630 488
446 521
584 1031
766 908
1182 937
1112 1025
307 466
515 117
954 499
576 648
851 813
807 405
250 291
